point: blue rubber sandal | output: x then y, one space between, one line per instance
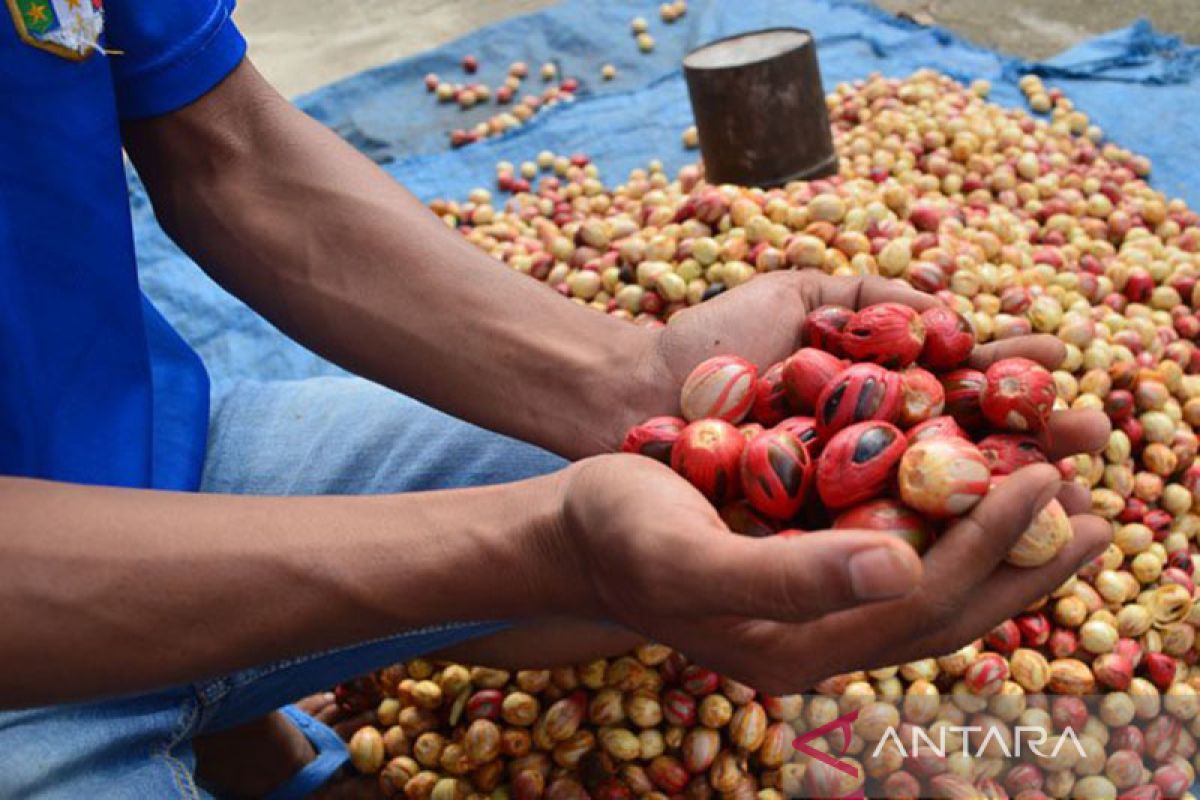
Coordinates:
331 755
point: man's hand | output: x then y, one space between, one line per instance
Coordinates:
783 612
760 321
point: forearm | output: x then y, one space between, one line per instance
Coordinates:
108 590
339 256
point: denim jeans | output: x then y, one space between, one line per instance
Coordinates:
316 436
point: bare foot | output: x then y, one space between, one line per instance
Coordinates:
254 759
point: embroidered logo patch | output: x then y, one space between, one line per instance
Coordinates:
67 28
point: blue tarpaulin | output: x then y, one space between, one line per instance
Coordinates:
1141 86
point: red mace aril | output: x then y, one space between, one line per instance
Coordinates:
822 328
805 373
889 334
708 454
485 704
1113 671
1005 638
1063 643
804 429
654 438
1171 780
935 428
1008 452
1159 669
1162 735
1127 737
1045 538
986 674
859 463
770 405
776 473
948 339
943 477
1023 778
859 393
720 387
679 708
1131 650
667 774
699 681
889 516
964 393
1019 395
921 397
1069 712
750 430
741 517
1035 629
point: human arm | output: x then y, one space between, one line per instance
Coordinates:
341 257
117 590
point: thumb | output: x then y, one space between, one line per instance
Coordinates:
799 576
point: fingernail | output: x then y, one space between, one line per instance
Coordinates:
880 573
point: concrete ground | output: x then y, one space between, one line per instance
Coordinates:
303 44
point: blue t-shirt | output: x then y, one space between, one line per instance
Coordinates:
95 386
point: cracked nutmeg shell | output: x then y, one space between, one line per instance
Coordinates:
861 392
859 463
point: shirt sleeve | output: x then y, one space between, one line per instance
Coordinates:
169 53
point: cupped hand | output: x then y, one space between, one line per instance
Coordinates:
644 549
782 613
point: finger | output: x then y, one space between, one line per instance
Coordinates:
972 547
1011 589
315 703
906 636
1043 348
821 289
1072 432
797 578
1074 498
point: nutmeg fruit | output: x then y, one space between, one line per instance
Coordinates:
859 463
708 454
889 334
943 477
775 473
721 387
